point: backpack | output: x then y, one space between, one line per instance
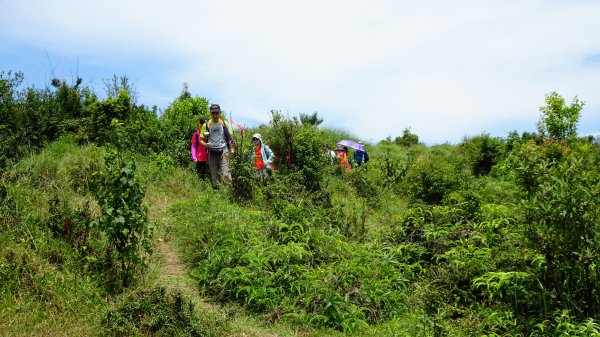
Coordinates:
197 137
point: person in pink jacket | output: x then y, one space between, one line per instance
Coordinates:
199 154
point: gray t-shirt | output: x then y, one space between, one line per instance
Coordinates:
216 138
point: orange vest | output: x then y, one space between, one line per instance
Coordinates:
344 164
258 160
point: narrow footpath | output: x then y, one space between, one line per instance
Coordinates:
172 275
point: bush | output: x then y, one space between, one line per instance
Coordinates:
158 312
483 153
298 148
431 178
243 174
526 166
124 219
142 131
177 125
408 138
102 114
563 217
559 121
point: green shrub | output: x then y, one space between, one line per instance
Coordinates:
526 166
142 131
9 214
158 312
483 153
243 173
72 226
563 217
293 268
177 125
559 121
298 148
431 178
102 114
123 218
408 138
562 323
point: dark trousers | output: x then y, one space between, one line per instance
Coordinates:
202 169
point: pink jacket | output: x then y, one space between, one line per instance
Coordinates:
198 151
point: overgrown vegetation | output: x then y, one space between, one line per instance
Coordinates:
159 312
491 237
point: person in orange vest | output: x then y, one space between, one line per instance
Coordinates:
342 154
263 156
199 153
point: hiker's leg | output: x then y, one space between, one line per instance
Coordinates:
199 169
203 170
224 164
213 166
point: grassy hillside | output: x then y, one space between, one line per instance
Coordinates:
106 230
365 256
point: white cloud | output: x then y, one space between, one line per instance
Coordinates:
447 69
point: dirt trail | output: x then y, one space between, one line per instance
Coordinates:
173 276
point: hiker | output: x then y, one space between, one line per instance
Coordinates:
199 155
328 151
360 156
263 156
329 154
341 152
218 139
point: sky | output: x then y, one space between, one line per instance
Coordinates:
445 69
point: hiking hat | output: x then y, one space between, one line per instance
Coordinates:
258 136
339 148
215 108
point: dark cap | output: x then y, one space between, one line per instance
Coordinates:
215 108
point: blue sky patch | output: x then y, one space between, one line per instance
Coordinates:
592 60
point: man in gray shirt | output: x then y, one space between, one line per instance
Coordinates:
217 138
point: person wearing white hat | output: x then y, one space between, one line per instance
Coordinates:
341 152
263 156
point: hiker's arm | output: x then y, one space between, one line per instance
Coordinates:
228 136
201 138
269 153
194 150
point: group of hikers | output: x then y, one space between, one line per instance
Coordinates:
214 139
340 154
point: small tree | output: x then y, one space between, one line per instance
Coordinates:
408 138
178 123
310 119
297 148
431 178
123 218
563 223
114 85
482 152
559 121
102 114
242 172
